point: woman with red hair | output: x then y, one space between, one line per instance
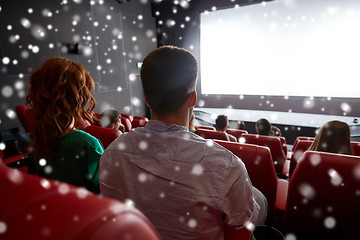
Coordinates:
60 97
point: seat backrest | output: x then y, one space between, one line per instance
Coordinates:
126 122
324 197
139 122
236 132
127 116
260 167
205 127
21 115
273 143
97 120
38 208
356 148
283 144
301 147
302 138
211 134
105 135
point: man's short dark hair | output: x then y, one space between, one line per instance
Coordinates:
264 127
168 76
221 122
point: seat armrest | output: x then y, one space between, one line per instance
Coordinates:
281 194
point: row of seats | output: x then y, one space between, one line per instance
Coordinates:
277 145
38 208
320 201
302 144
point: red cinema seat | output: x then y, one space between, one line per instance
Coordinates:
205 127
105 135
25 115
126 122
21 112
324 197
38 208
356 148
301 147
273 143
210 134
127 116
236 132
283 144
139 121
259 164
96 119
301 138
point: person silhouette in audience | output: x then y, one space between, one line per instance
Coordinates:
187 189
276 131
60 97
111 118
333 137
263 127
241 125
221 124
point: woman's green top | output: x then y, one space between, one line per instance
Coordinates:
77 160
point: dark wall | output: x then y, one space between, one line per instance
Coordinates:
107 37
182 28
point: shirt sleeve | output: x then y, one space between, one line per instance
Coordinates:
94 154
239 204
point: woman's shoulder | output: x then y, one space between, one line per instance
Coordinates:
81 136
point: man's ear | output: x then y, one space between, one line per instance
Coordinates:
192 99
146 102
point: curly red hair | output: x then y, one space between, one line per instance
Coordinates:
60 96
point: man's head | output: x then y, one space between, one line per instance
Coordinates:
221 123
263 127
168 76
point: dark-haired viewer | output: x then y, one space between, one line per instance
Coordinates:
221 124
188 187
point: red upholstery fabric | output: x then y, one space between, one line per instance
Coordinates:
324 199
273 143
139 122
281 194
105 135
210 134
300 148
237 234
236 132
126 122
356 148
301 138
259 164
205 127
14 160
97 119
283 144
21 114
37 208
127 116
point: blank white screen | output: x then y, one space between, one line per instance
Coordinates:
282 48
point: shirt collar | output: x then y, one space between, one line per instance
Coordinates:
156 125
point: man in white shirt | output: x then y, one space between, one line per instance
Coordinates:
188 187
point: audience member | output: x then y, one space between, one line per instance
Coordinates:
60 96
333 137
188 189
221 124
276 131
191 123
263 127
111 119
241 125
